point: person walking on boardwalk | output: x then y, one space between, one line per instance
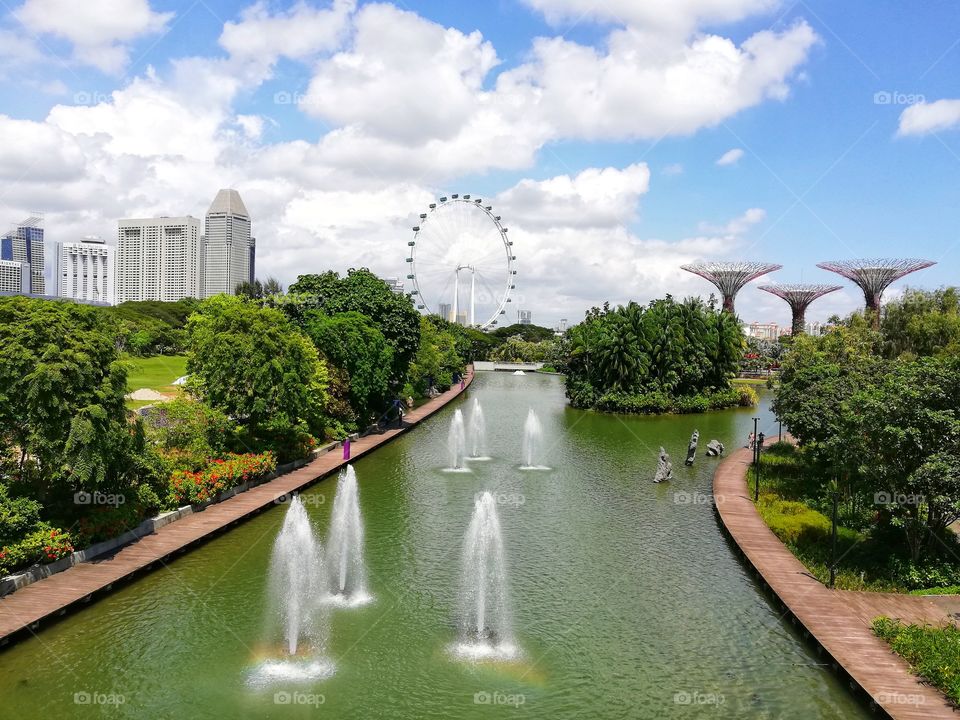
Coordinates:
750 440
398 405
346 448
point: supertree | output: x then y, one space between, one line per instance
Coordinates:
874 276
730 277
799 297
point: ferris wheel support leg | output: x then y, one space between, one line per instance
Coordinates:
456 295
473 298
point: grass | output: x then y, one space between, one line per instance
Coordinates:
749 381
933 652
155 373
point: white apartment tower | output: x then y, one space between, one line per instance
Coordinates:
86 270
228 257
159 259
14 277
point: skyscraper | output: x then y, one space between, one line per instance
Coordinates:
229 250
86 270
24 244
525 317
159 259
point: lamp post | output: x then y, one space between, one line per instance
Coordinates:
834 489
756 488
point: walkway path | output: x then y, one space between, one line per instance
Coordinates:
23 611
839 620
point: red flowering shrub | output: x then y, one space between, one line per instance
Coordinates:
44 545
197 487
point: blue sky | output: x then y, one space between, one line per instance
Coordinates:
828 167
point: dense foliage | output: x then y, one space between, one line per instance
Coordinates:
353 342
667 348
151 327
363 292
270 377
252 364
878 413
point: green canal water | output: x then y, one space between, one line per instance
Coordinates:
627 601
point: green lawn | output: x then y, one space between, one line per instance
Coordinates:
156 373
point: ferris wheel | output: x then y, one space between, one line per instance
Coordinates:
461 263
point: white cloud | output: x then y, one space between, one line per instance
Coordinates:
730 157
299 33
404 79
99 31
683 15
924 118
673 169
594 198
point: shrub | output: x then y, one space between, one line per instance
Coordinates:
933 653
746 396
43 545
198 487
18 516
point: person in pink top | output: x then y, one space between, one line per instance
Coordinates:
346 448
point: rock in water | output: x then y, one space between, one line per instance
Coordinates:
714 448
692 448
664 467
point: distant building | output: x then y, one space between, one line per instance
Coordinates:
770 332
446 311
394 284
24 244
86 270
815 329
525 317
229 250
14 277
563 325
158 259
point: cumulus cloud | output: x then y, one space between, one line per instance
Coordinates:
924 118
594 198
403 79
298 33
100 32
730 157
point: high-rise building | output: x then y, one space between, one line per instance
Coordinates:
159 259
24 244
525 317
86 270
14 277
229 250
446 311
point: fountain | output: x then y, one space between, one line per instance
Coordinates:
346 572
532 440
485 627
478 433
295 585
457 443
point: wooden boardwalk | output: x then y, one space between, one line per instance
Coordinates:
23 612
838 620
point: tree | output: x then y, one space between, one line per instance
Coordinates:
818 376
62 416
363 292
436 357
908 441
252 364
922 323
351 341
528 332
